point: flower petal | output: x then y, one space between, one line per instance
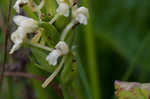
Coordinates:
53 56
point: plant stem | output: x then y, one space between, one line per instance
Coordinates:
5 46
67 29
91 57
10 88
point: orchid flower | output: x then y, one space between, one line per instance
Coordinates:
25 25
63 9
79 15
60 49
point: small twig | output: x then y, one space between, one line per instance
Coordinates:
5 46
1 22
32 76
23 74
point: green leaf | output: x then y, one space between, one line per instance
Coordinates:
38 58
69 71
30 13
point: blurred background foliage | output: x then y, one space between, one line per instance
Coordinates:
114 46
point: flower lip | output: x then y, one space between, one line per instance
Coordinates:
60 49
63 9
81 15
53 57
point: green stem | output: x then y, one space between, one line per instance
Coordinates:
5 46
67 91
10 88
83 77
91 57
92 66
67 29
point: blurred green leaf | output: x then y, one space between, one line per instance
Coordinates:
38 59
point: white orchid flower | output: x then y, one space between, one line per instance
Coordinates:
33 5
26 25
81 15
63 9
60 49
18 3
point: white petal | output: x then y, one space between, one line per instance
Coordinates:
82 19
83 10
15 47
17 38
81 15
53 57
26 25
63 47
19 19
18 35
29 25
63 9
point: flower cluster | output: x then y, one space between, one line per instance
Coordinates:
28 25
